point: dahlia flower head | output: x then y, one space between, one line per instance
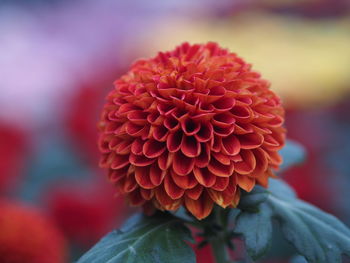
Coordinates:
190 127
27 236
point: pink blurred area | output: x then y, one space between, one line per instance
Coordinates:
58 59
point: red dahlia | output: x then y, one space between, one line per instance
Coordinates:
190 127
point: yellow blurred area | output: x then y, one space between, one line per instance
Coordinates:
307 61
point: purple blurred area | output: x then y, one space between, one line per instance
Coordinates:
58 59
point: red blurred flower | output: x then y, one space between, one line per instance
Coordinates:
83 113
316 134
204 254
85 214
192 126
12 150
27 236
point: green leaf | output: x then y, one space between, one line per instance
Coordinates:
250 201
298 259
257 238
317 235
181 213
157 239
293 153
282 190
257 230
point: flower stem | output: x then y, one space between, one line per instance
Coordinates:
219 249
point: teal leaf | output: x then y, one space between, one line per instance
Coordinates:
157 239
257 230
292 153
181 213
282 190
318 236
298 259
250 201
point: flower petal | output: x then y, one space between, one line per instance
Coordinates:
135 198
190 146
112 144
142 177
160 133
251 140
248 163
223 120
146 194
270 142
236 198
165 201
201 207
138 117
204 176
224 198
126 108
215 94
263 179
153 148
174 141
205 133
243 128
165 160
135 130
203 159
123 147
222 158
136 146
220 198
140 160
274 157
185 182
172 189
231 145
195 192
220 169
216 143
128 184
245 182
190 127
221 183
155 118
115 176
171 123
242 112
119 161
182 165
156 174
224 131
261 162
224 104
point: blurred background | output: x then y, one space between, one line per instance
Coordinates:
58 60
